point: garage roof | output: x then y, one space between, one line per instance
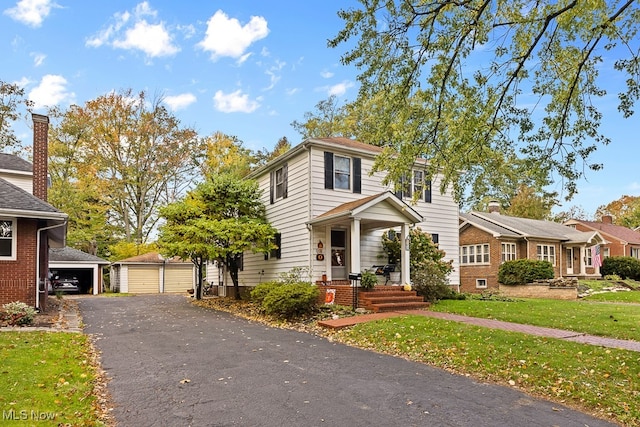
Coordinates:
67 254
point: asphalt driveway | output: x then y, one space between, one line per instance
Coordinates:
174 364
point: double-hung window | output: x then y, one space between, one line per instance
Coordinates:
342 173
7 239
474 254
547 253
508 252
278 184
416 185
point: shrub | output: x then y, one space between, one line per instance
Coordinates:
18 313
260 291
368 280
523 271
430 282
291 300
624 266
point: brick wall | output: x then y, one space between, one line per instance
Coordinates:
17 278
470 273
40 158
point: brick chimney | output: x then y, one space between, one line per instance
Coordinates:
494 207
40 155
607 219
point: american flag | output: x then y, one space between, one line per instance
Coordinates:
595 255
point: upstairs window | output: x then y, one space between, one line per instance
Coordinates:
278 184
7 239
415 185
342 173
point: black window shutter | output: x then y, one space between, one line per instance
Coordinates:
399 191
357 175
285 180
328 170
277 240
427 191
435 238
271 186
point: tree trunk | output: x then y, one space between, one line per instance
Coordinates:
232 263
199 266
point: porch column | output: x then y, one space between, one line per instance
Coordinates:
355 245
405 255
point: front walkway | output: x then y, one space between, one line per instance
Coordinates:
490 323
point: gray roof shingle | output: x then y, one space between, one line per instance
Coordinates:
13 198
14 163
68 254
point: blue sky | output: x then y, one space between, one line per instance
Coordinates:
245 68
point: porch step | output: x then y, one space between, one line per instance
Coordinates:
391 300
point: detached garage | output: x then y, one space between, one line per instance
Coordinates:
151 274
87 268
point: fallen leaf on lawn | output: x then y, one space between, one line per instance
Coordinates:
185 381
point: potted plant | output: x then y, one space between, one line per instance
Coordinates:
368 280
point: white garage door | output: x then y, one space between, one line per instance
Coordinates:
144 280
178 278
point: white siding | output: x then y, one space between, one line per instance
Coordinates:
308 199
22 181
289 217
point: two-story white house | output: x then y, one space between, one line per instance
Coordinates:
330 213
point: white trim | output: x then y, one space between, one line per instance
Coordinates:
14 239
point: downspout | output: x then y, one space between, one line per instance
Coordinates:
38 239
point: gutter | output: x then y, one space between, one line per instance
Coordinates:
38 239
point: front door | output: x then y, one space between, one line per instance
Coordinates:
569 259
338 254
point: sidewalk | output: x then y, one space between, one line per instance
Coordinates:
489 323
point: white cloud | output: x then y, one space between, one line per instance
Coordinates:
178 102
227 37
292 91
51 91
153 40
235 102
132 31
31 12
38 58
339 89
326 74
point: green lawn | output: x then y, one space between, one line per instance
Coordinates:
598 380
47 379
613 320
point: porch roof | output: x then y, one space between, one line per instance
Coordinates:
380 210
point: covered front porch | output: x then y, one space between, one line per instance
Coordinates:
346 240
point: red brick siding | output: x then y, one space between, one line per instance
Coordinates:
475 236
469 273
17 278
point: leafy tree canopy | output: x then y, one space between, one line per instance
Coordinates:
12 100
219 220
625 211
472 85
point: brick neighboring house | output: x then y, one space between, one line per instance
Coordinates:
29 225
489 239
622 241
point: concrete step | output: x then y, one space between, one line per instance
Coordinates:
376 299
